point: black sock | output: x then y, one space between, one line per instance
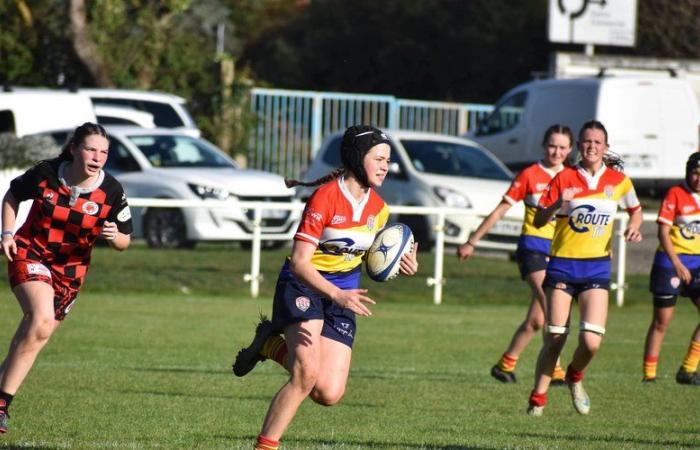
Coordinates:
6 399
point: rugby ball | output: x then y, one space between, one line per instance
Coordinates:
384 255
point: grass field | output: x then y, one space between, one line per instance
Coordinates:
143 361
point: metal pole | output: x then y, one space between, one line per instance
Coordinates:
621 261
316 124
437 281
254 276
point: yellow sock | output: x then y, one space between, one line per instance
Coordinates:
507 363
690 363
650 363
558 373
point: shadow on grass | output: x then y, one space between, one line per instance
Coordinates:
194 395
349 444
608 439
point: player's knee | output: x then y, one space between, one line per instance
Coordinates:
327 396
304 376
40 328
536 323
661 325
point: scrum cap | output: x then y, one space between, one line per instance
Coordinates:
357 141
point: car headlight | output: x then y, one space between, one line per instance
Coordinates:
208 192
452 198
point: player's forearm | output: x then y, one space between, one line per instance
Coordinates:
120 242
307 273
10 205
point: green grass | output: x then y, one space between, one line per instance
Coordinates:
143 362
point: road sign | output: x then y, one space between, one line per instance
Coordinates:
600 22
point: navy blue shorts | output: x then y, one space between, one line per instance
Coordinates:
530 261
295 302
574 276
665 284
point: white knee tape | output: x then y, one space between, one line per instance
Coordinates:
556 329
593 328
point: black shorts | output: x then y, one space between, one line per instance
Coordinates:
530 261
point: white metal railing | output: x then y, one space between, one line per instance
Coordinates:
437 280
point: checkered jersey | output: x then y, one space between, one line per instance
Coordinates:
57 233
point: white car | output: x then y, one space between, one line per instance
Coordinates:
436 170
170 164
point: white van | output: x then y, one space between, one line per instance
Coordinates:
33 111
652 122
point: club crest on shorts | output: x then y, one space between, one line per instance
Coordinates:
90 208
675 282
303 303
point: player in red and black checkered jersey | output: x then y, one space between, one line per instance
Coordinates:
74 203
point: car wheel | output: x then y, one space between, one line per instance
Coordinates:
420 227
166 228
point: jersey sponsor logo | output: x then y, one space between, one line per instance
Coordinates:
687 208
90 208
312 216
669 206
339 247
303 303
370 222
38 269
690 230
124 214
541 186
338 219
584 215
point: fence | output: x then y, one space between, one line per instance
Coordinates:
436 281
291 125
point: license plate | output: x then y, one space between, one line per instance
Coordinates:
507 227
274 213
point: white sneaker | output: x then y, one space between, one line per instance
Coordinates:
535 411
582 403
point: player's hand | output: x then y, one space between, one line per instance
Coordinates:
9 246
109 231
409 261
633 235
354 299
465 251
683 273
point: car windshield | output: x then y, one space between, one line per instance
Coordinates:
448 158
179 151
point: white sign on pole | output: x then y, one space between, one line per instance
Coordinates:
601 22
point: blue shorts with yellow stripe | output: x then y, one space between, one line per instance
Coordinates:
578 275
295 302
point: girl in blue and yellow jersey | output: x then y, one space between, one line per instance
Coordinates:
317 294
533 246
585 199
676 271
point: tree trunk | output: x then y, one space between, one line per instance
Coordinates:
85 47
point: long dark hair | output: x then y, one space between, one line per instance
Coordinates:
610 159
78 136
289 182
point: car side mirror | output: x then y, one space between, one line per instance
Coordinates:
394 168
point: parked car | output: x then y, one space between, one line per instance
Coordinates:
31 111
123 115
168 110
165 163
652 122
436 170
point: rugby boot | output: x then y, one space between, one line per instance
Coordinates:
582 403
248 357
535 411
4 416
691 378
503 376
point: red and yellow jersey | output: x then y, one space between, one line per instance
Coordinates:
528 187
681 210
341 227
584 225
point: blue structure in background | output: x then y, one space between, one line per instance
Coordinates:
291 125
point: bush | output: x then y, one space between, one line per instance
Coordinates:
22 152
